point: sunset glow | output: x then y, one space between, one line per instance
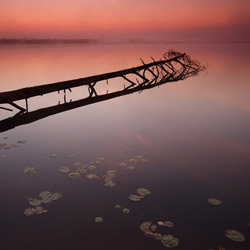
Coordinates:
104 17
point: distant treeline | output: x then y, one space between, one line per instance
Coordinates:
45 41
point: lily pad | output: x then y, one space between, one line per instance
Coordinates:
214 201
92 176
69 156
56 196
131 168
29 211
74 175
22 142
109 184
111 173
143 191
235 235
138 157
143 161
125 210
39 210
29 170
47 196
132 160
100 159
80 164
134 197
3 145
34 202
64 170
122 164
168 223
98 219
53 156
81 170
145 226
92 167
170 241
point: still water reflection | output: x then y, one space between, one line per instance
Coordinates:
195 135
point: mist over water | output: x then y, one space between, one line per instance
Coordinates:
194 133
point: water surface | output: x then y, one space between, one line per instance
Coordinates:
195 135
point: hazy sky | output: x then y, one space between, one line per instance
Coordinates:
133 18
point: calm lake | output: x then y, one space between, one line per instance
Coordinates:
194 134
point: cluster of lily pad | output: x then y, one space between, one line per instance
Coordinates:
135 159
142 192
167 240
29 170
109 178
124 210
5 146
45 197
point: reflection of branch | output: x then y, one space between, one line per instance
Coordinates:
158 73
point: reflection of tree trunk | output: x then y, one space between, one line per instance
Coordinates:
158 73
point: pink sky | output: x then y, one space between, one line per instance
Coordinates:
138 18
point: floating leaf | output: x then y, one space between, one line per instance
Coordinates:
125 210
56 196
100 159
81 170
168 223
111 173
74 175
131 168
109 184
53 156
98 219
22 142
134 197
29 170
92 167
39 210
169 241
132 160
214 201
64 170
34 202
234 235
122 164
80 164
143 161
138 157
143 191
146 226
92 176
29 211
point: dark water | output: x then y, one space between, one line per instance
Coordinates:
195 135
